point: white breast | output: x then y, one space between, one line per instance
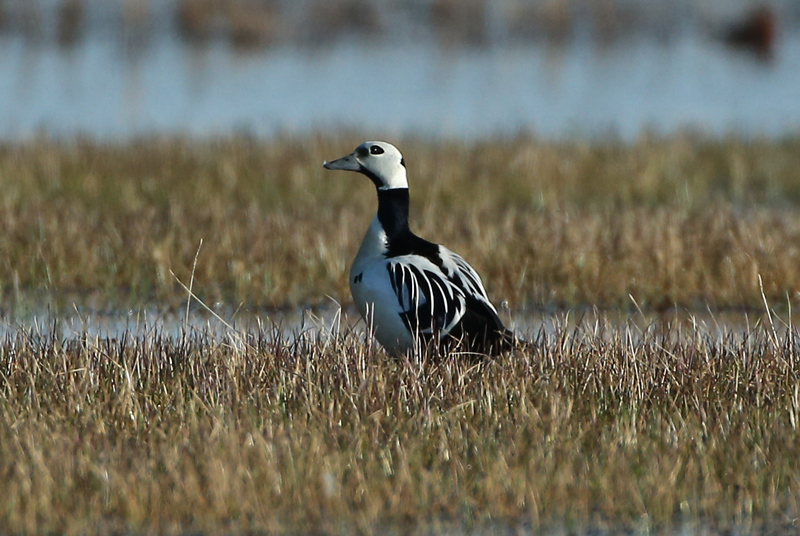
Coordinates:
373 294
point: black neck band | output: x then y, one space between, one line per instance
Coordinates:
393 211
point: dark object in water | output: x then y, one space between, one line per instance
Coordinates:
756 32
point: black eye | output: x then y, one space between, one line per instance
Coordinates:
376 149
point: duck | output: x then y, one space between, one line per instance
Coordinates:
755 32
415 294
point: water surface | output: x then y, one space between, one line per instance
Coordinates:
103 88
77 318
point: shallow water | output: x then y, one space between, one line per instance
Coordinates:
100 87
71 318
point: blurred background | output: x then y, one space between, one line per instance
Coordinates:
469 69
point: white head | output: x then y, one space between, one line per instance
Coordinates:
378 160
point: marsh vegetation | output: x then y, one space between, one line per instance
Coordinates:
672 222
657 430
658 426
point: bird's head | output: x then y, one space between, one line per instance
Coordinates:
378 160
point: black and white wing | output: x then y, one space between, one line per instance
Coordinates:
445 297
464 276
429 301
480 324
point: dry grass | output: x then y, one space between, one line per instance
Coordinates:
682 221
601 426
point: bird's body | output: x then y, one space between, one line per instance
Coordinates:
410 291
